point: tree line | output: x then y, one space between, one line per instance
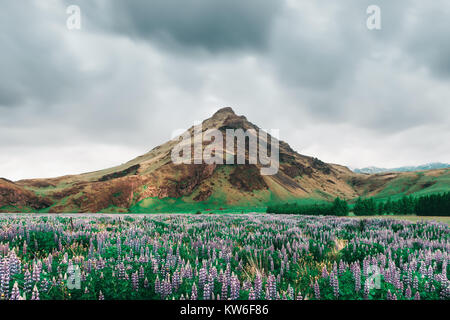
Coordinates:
431 205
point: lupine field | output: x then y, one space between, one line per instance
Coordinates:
253 256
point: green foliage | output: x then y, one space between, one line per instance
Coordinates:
340 207
365 207
431 205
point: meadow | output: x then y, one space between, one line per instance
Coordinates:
226 256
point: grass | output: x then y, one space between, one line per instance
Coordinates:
418 185
184 205
217 203
114 209
16 209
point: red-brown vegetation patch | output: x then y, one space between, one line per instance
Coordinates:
247 178
14 195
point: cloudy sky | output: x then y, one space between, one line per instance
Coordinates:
73 101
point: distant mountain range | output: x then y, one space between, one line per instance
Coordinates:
428 166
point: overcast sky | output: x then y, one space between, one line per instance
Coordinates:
73 101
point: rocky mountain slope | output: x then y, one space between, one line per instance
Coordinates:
153 183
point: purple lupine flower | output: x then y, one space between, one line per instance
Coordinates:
36 272
101 296
35 294
49 262
211 283
444 269
335 286
423 269
234 288
228 274
166 287
408 293
44 285
290 292
5 284
324 272
247 285
194 292
267 294
416 283
366 289
272 286
365 267
122 272
15 293
445 289
341 267
146 283
176 281
206 291
14 263
141 272
224 291
202 277
317 290
430 272
258 287
119 246
251 294
27 281
135 281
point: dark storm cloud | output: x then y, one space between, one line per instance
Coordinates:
35 67
330 60
329 40
137 70
213 25
428 40
50 75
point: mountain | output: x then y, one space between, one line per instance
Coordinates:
428 166
154 183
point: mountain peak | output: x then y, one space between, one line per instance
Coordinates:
154 176
226 110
